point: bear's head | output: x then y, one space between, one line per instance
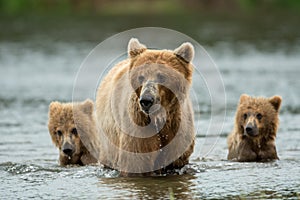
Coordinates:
160 78
65 122
257 117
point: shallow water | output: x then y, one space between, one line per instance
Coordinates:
35 72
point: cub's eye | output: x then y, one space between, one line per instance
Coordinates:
161 78
59 133
74 131
245 116
141 79
259 116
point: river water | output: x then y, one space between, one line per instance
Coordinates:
37 70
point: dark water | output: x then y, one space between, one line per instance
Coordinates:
35 71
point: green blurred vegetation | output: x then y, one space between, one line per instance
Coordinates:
253 21
143 7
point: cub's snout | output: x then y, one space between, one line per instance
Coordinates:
251 129
68 149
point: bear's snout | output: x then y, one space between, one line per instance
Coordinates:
149 96
251 129
68 149
146 101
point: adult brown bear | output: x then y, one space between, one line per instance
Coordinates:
144 112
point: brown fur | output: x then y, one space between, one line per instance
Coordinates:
261 114
118 109
67 124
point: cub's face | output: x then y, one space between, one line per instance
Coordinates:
64 133
257 117
68 141
253 122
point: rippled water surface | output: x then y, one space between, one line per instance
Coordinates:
36 71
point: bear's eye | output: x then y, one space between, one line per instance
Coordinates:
141 79
59 133
161 78
74 131
259 116
245 116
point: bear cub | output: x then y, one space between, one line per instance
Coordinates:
254 134
66 121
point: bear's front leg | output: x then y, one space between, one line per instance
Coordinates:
245 152
268 152
87 159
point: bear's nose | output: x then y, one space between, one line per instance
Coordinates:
67 149
68 152
146 102
249 129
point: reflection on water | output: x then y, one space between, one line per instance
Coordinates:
33 74
153 187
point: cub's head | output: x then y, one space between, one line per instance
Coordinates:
64 131
258 116
160 77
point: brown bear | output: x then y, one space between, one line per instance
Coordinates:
69 124
256 123
144 111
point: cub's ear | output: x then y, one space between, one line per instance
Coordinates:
276 102
135 47
54 107
244 97
185 52
87 107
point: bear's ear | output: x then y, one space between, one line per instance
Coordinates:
244 97
54 107
185 52
276 102
87 107
135 47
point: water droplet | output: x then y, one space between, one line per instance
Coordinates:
69 157
156 125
